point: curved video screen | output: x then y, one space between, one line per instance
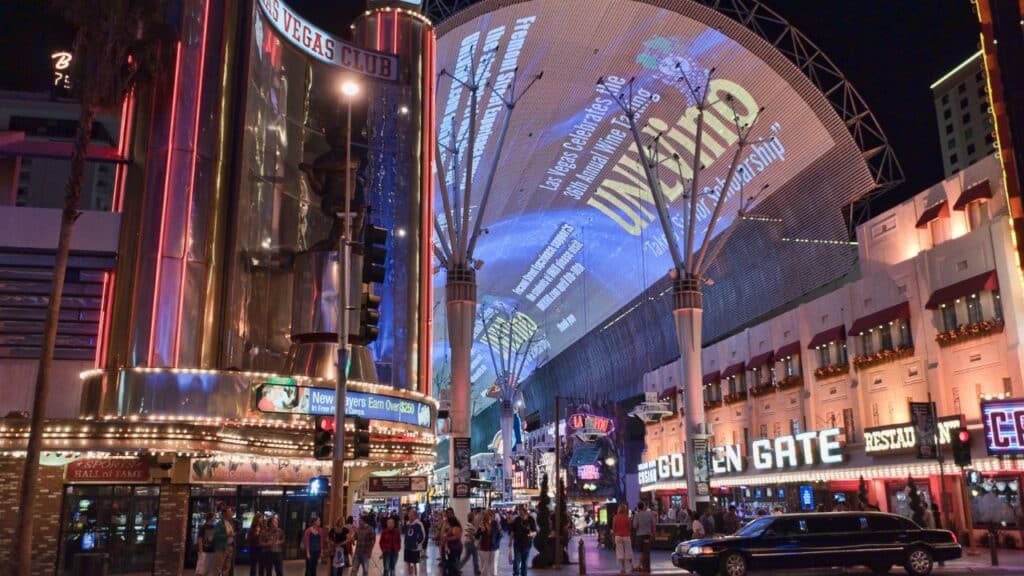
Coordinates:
571 230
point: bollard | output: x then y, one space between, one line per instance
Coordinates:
582 559
993 538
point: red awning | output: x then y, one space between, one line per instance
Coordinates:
865 323
830 335
788 350
972 285
733 370
760 360
973 192
940 210
712 377
667 394
57 149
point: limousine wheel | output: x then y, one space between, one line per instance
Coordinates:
734 564
918 562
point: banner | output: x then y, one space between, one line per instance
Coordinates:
922 418
107 470
275 398
397 483
461 467
701 468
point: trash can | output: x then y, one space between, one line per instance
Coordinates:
91 564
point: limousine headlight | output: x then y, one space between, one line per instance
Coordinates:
700 551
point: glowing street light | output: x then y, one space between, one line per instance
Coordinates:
349 88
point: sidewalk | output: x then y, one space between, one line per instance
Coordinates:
603 563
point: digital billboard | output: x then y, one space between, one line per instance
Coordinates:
288 399
572 232
1004 426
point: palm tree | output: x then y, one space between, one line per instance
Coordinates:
114 42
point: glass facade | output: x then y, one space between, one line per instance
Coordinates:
116 523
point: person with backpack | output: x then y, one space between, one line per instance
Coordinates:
415 537
271 543
204 542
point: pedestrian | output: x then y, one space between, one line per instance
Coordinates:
205 544
415 538
697 527
929 518
224 544
623 544
469 551
488 536
708 521
390 544
936 515
252 542
453 547
731 521
366 537
523 529
337 536
442 533
312 540
271 543
644 523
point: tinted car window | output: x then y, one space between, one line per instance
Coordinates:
886 523
826 524
906 524
789 526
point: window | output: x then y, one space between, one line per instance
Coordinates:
961 88
795 427
824 357
851 437
949 128
963 103
841 352
951 143
970 149
886 334
979 76
997 305
906 338
974 314
968 133
874 414
945 98
966 118
883 523
977 214
764 431
949 317
832 524
953 158
789 366
947 114
867 343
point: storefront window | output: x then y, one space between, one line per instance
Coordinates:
906 338
116 521
789 365
867 343
824 357
886 334
899 499
997 305
995 499
974 314
949 317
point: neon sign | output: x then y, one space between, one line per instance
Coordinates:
62 69
901 437
667 467
591 423
1004 426
791 451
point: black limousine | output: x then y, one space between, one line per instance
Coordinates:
829 539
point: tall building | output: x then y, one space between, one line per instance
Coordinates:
962 111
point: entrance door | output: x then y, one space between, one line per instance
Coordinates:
297 513
114 524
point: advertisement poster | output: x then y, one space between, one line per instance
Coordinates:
701 468
256 470
922 418
277 398
398 484
461 468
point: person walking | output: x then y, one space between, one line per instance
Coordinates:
453 547
312 540
390 544
366 537
252 542
523 529
223 561
730 521
488 534
622 533
697 527
271 544
708 521
415 539
469 551
205 543
644 523
339 536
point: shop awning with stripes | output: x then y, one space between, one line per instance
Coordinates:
875 319
826 336
978 191
972 285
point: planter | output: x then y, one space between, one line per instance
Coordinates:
970 332
761 390
734 398
712 404
830 371
790 382
882 357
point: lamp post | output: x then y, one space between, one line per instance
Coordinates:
349 90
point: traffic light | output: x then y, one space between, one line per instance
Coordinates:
962 447
369 315
323 438
361 438
375 252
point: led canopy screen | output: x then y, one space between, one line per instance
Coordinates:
571 230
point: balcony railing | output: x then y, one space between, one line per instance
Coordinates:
970 332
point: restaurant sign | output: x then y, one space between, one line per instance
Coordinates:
902 437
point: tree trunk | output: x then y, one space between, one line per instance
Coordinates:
30 476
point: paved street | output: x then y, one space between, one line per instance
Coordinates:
602 562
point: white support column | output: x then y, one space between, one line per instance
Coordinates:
461 307
688 313
506 448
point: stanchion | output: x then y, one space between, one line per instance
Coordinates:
993 540
580 557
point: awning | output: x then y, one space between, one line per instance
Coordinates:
972 285
712 377
733 370
865 323
973 192
830 335
788 350
940 210
761 360
59 150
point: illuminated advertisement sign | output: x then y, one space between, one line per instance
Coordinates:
571 220
288 399
1004 426
591 425
902 438
588 472
325 47
782 452
668 467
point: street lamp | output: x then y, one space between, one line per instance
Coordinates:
349 90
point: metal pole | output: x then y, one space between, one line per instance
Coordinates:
341 386
558 476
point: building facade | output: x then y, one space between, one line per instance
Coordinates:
807 403
962 111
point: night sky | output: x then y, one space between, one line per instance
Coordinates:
891 50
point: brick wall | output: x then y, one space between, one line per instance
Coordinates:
171 530
47 512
